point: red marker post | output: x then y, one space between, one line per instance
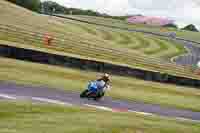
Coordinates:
48 39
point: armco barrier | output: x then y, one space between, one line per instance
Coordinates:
84 64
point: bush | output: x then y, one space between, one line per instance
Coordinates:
33 5
171 26
191 27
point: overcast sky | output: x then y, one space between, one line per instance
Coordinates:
182 11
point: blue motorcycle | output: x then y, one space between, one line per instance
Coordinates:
95 90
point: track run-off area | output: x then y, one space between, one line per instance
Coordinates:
55 96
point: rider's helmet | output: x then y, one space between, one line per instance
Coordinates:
106 77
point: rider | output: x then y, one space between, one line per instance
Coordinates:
103 83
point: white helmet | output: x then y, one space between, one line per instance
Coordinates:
198 64
106 75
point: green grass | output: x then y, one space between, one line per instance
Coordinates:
120 23
32 118
122 88
156 47
83 40
161 48
106 56
128 40
165 52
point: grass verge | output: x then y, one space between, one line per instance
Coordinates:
31 118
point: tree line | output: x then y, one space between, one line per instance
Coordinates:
53 7
49 7
34 5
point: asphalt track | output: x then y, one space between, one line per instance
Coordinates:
193 55
56 96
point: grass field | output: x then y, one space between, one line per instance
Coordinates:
148 45
122 88
31 118
83 40
93 33
120 23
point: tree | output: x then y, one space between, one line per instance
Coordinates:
48 7
33 5
190 27
171 26
13 1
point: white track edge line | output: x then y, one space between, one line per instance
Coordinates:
8 96
99 107
185 119
51 101
141 113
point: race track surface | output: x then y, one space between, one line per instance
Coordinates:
56 96
193 55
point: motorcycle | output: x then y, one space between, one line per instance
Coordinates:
95 90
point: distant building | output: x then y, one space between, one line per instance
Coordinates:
155 21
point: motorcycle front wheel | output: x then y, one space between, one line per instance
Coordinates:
83 94
99 96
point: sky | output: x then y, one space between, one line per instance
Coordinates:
182 11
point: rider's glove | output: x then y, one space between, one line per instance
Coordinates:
108 87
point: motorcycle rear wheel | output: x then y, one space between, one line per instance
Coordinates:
83 94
